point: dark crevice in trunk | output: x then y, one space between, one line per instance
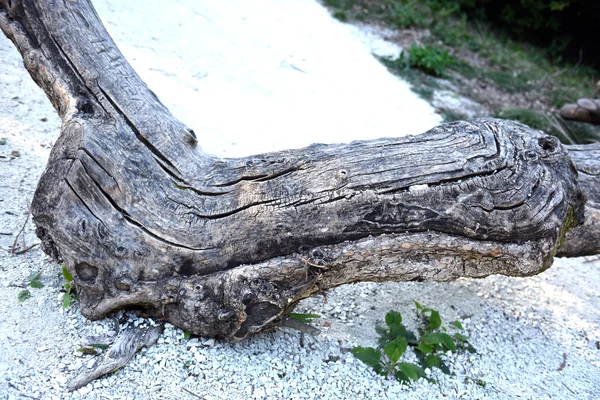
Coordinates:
160 158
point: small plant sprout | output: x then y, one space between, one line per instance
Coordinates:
68 288
23 295
34 282
304 317
429 346
301 323
430 59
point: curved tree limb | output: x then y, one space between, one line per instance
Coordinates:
585 239
129 342
226 247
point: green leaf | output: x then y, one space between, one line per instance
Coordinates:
444 368
396 330
67 274
435 321
425 348
440 338
418 305
382 341
410 337
36 284
432 361
460 337
368 355
392 318
471 349
395 349
381 330
380 370
187 335
413 371
87 350
98 346
66 301
23 295
34 276
457 324
401 377
304 317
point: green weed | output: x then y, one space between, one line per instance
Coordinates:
23 295
304 317
341 15
404 14
430 59
69 288
421 83
429 346
531 118
569 132
581 132
34 282
450 116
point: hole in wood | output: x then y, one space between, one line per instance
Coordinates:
548 144
187 268
86 272
123 286
257 315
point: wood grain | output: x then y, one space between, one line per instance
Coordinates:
143 218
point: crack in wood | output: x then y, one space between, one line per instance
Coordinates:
158 156
500 197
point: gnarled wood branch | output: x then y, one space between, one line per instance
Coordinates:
584 239
226 247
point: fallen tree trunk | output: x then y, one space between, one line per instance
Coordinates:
143 218
584 239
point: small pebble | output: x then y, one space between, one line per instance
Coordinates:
75 365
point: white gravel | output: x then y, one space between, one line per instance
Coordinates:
236 79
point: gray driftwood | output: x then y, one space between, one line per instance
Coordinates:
585 238
143 218
130 341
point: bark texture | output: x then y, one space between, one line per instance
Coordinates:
585 239
226 247
127 344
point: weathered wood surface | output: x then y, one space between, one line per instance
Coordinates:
585 238
129 342
226 247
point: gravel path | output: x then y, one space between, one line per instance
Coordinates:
287 73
